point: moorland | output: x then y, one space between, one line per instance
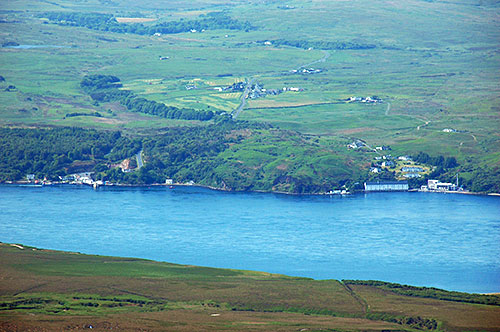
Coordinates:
45 290
250 95
289 96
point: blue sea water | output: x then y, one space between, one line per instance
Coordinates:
425 239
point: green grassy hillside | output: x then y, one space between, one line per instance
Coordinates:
434 65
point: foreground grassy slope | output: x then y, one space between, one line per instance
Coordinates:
44 290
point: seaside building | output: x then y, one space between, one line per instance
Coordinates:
386 186
436 185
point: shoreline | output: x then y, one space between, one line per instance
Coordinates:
27 183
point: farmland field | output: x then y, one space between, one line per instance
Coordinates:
433 65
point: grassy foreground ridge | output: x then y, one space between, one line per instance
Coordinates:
44 290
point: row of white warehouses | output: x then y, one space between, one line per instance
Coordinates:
386 186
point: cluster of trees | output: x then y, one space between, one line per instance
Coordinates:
188 154
484 180
418 323
107 22
96 114
56 151
445 168
429 292
439 161
106 88
92 83
323 45
143 105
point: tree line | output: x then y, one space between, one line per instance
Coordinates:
108 22
106 88
322 45
439 161
428 292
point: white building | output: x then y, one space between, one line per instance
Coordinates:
439 186
386 186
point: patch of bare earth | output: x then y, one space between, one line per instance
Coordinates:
355 130
241 133
282 167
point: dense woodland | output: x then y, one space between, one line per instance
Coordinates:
107 22
58 151
105 88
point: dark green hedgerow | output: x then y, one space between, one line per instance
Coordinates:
106 88
428 292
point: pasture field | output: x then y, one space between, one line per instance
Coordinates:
52 290
434 65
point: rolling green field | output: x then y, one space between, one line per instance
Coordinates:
434 65
49 290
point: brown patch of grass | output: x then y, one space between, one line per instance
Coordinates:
196 319
456 316
188 296
240 133
355 130
282 167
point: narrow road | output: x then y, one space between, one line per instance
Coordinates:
243 100
326 55
138 156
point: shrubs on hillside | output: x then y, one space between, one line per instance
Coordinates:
428 292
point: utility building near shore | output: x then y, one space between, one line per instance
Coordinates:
386 186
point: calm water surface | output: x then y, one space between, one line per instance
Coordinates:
446 241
